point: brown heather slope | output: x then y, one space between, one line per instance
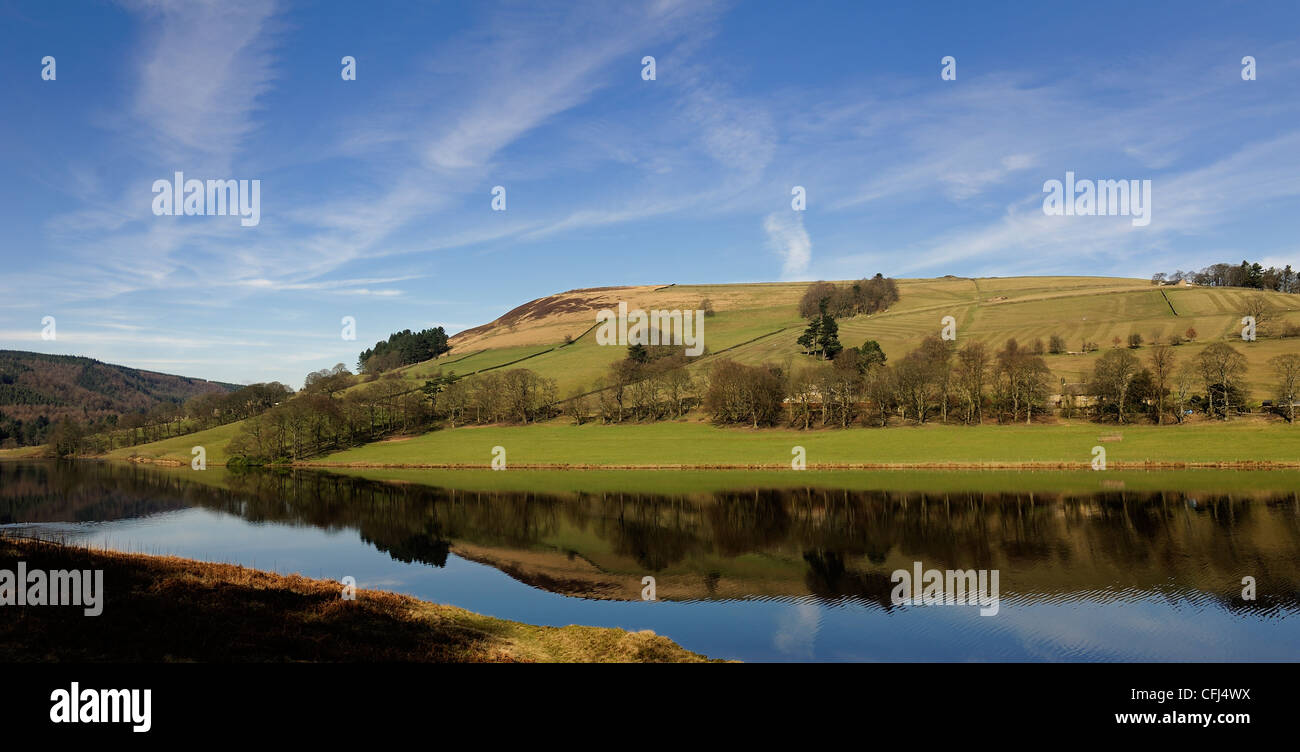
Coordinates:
548 319
162 608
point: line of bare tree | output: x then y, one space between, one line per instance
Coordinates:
937 381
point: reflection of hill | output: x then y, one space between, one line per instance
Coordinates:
557 572
829 544
84 492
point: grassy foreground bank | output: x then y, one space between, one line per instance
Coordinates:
161 608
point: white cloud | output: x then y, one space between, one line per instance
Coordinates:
786 235
796 630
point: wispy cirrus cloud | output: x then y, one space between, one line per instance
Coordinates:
208 62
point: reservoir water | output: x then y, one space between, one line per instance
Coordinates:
753 566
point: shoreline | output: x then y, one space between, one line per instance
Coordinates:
1243 465
172 609
693 446
1066 466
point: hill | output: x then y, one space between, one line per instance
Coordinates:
760 322
33 385
555 338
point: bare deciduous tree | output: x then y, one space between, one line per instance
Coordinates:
1221 366
1162 371
1287 369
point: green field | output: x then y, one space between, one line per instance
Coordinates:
178 449
702 445
22 453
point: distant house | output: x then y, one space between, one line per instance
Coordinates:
1279 406
1075 395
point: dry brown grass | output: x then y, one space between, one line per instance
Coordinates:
547 320
163 609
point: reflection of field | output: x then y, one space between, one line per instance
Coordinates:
827 545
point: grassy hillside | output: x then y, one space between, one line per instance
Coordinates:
23 453
759 322
179 449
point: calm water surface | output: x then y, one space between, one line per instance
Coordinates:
749 573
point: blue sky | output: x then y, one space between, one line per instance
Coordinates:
376 193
